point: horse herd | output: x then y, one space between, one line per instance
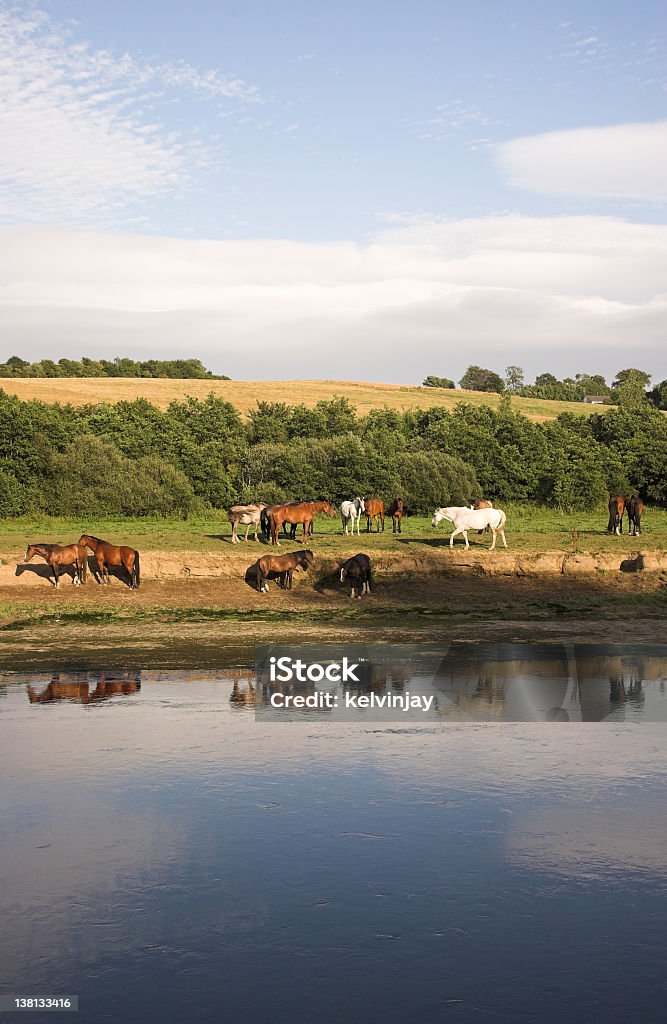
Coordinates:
480 515
271 518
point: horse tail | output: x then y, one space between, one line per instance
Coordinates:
502 520
136 571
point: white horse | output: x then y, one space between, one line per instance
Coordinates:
244 515
464 519
351 511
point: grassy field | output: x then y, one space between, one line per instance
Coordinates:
244 394
529 530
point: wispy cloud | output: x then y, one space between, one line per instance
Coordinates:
81 136
451 119
624 161
639 61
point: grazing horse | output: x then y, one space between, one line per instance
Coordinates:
397 510
245 515
284 565
359 571
303 512
464 519
635 508
56 555
350 512
374 509
617 507
107 554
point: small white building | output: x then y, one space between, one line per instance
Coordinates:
595 399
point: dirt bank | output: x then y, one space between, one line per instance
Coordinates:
233 563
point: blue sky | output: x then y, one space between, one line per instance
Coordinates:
288 189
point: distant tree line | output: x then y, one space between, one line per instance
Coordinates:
177 369
548 386
134 459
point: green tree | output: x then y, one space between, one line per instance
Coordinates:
439 382
476 378
514 380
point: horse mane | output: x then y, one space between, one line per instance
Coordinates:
97 540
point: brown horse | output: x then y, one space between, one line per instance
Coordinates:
397 510
107 554
284 565
635 509
617 507
481 503
56 555
374 509
303 513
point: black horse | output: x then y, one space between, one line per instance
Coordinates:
359 571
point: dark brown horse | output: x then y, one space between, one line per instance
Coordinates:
374 509
397 510
303 513
284 566
617 506
107 554
635 508
56 555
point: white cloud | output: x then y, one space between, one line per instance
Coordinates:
624 161
564 294
80 139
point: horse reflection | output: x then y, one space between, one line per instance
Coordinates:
76 687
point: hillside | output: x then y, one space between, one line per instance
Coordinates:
245 393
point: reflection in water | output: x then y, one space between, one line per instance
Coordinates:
483 682
76 686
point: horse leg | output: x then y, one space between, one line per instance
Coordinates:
399 525
55 575
502 536
493 542
451 538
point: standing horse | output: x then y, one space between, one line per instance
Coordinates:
350 512
56 555
617 507
245 515
397 510
106 554
464 519
266 526
374 510
635 508
303 513
284 565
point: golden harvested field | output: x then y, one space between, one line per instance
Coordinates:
245 393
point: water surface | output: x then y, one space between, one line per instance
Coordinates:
167 855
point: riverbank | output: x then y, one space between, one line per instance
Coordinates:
204 620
